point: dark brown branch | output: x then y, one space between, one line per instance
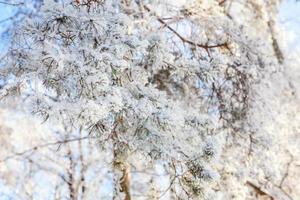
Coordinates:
278 52
185 40
259 190
277 192
222 2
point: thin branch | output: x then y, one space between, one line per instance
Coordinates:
277 192
71 175
185 40
38 147
222 2
169 187
172 180
286 174
6 19
259 190
11 4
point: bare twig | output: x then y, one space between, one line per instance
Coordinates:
259 190
11 4
185 40
222 2
286 171
38 147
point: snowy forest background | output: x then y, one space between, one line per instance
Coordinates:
150 99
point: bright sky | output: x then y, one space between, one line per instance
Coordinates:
6 11
289 17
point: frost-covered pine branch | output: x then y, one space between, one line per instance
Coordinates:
159 80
